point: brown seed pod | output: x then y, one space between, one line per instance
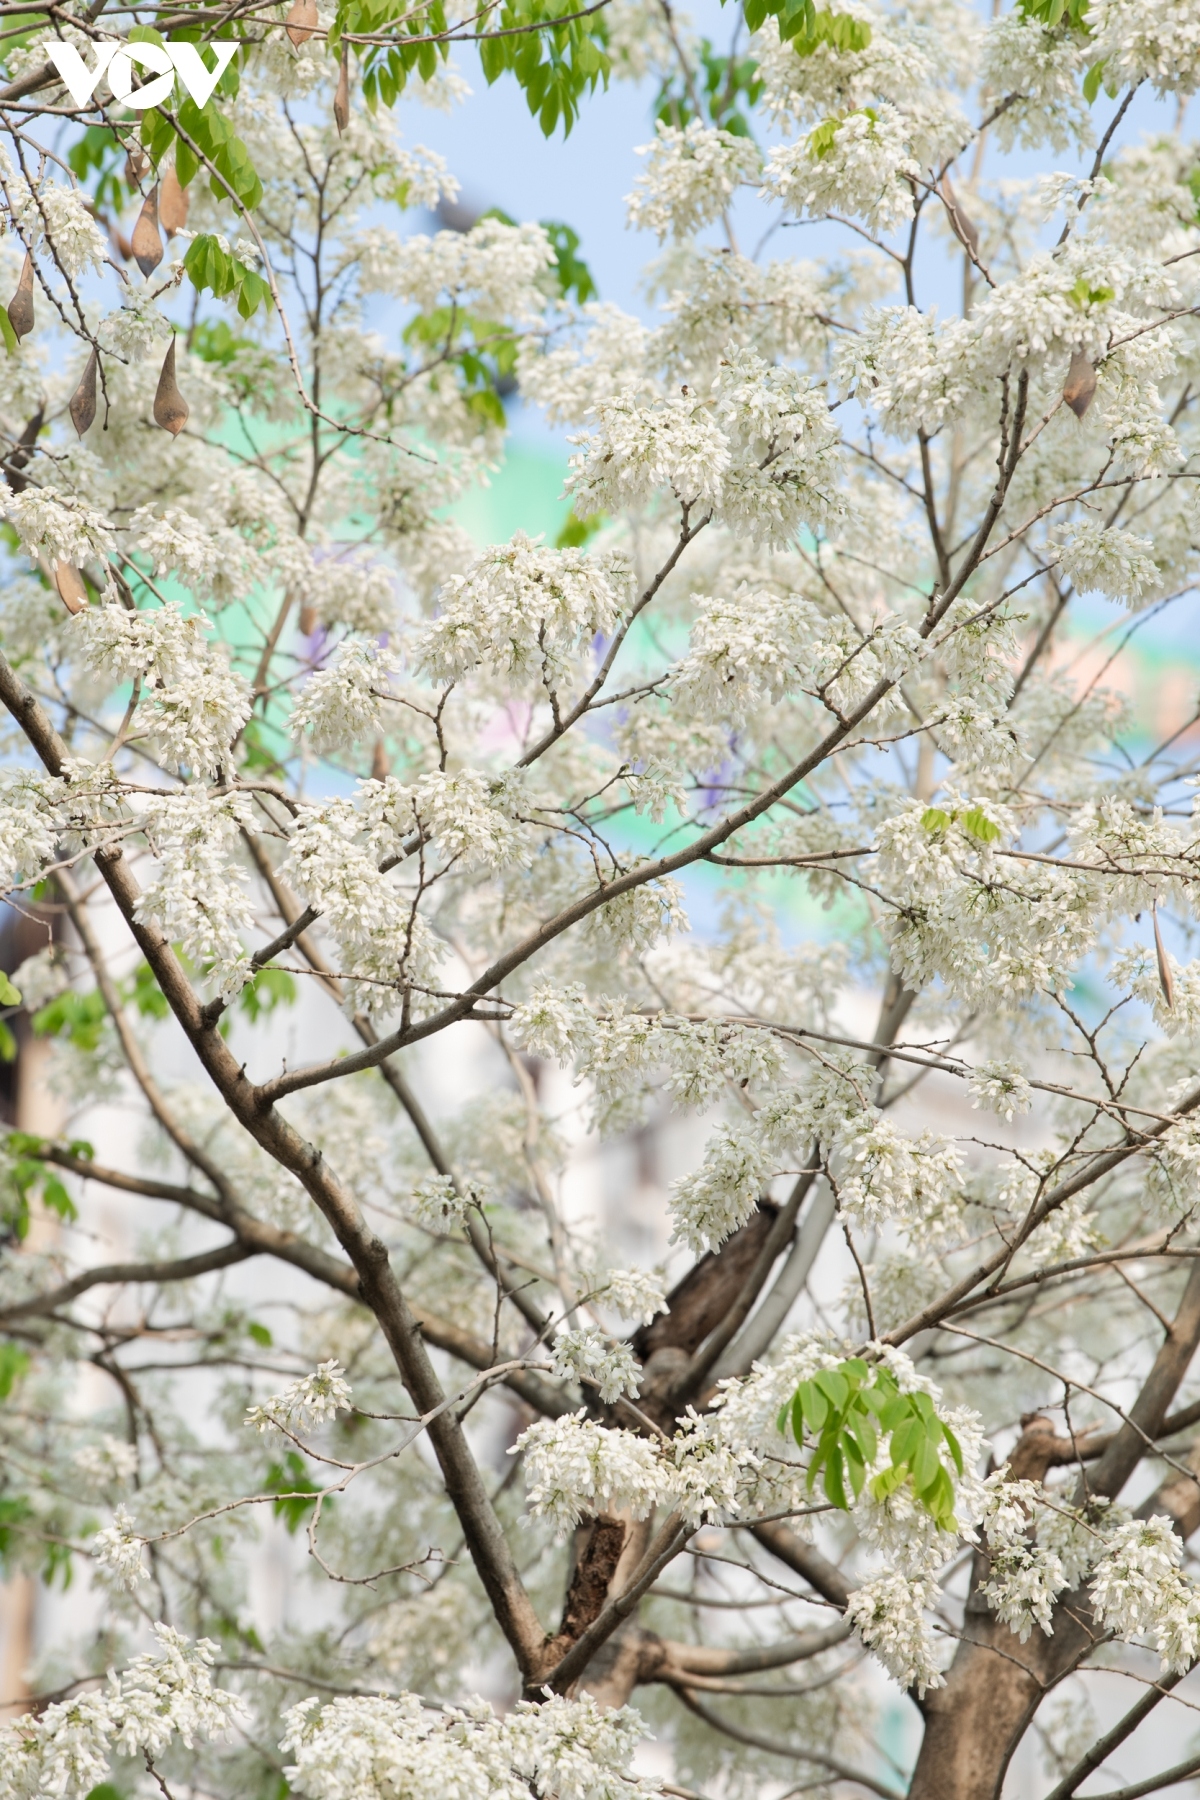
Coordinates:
964 228
1166 980
172 203
308 619
341 100
136 165
301 21
146 244
170 407
71 589
1080 384
381 762
82 404
20 307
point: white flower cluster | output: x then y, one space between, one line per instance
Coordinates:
1039 1550
525 612
860 165
1148 40
1110 561
117 1549
64 1750
1036 69
1137 1589
50 213
690 178
1001 1088
109 1462
590 1355
308 1401
61 526
493 269
192 703
342 705
760 451
889 1614
636 1294
359 1748
199 897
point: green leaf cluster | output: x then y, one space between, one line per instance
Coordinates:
479 355
14 1363
1070 14
297 1492
728 88
387 68
974 820
198 131
1083 294
554 65
806 28
846 1411
25 1172
222 273
570 270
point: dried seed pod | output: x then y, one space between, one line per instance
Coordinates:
341 100
172 203
964 228
170 407
22 451
301 21
1080 384
308 619
381 762
136 165
1166 980
20 307
70 585
146 244
82 405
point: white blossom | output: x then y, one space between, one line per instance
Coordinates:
1001 1088
690 178
342 705
1110 561
357 1748
309 1400
589 1354
117 1549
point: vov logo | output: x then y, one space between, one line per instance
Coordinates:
164 60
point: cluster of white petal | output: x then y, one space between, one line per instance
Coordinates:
192 703
588 1354
524 611
307 1401
199 898
690 178
759 453
862 166
357 1749
342 704
58 524
1110 561
1148 40
65 1750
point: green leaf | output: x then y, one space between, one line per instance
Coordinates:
935 819
9 995
820 139
980 826
8 1044
187 163
14 1363
576 532
260 1335
290 1480
106 1791
11 340
1093 79
954 1446
56 1197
